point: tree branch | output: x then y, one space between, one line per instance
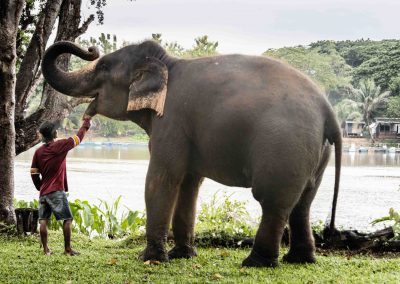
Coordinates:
30 65
84 26
54 106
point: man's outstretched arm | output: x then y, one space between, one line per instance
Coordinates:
64 145
82 131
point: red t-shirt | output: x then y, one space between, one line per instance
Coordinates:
49 161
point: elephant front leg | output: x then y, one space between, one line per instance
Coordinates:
160 195
184 218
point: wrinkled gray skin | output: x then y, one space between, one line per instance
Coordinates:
244 121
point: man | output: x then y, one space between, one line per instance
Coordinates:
49 175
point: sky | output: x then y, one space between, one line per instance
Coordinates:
249 26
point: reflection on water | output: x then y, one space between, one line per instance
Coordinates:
369 182
354 159
105 151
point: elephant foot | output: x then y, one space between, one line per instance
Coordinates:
151 253
257 260
182 252
299 257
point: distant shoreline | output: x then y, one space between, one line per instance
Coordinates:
121 139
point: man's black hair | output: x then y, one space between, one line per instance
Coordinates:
48 131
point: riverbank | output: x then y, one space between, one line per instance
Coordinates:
112 261
93 137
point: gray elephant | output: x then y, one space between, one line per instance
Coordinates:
245 121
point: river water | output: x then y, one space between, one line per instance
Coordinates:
369 182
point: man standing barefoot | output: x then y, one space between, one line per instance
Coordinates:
49 175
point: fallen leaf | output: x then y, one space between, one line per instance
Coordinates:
225 253
196 266
217 276
113 261
153 262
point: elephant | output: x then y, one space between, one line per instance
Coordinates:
241 120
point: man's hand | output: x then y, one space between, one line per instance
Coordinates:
86 121
86 117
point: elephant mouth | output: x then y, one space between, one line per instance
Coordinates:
94 96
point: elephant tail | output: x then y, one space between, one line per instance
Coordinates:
334 136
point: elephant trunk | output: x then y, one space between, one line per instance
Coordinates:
77 83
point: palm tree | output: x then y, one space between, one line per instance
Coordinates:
367 99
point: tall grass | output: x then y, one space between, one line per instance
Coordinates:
103 220
224 221
394 219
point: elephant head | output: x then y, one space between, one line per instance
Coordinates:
132 78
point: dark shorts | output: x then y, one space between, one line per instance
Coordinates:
57 203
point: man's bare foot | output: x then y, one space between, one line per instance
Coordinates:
71 252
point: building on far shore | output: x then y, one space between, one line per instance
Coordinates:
382 128
353 128
386 128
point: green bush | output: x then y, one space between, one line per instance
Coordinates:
93 220
393 217
223 222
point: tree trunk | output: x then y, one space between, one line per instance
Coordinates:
54 106
371 137
10 13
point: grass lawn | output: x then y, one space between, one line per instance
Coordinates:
108 261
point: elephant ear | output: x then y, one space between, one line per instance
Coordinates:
149 86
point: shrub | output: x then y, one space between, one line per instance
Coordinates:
394 218
223 222
93 220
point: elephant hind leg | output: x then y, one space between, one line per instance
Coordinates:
302 244
277 195
265 250
184 218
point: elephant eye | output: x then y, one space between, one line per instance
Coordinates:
138 76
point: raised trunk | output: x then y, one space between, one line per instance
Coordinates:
10 13
77 83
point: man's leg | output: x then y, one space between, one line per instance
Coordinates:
43 236
44 217
67 238
59 204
